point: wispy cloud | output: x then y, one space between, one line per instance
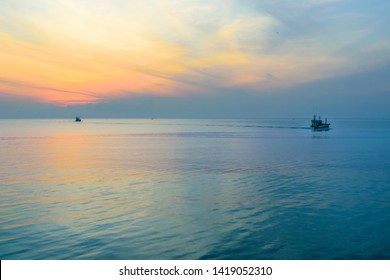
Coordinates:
66 52
52 93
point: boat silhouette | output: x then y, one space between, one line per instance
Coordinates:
318 124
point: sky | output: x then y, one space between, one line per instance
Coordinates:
194 58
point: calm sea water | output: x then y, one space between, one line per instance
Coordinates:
194 189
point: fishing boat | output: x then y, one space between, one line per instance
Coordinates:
77 119
318 124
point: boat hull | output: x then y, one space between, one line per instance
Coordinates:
321 128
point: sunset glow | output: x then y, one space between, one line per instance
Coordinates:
80 52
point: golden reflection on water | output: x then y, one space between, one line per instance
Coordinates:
86 179
68 152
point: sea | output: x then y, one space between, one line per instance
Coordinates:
193 189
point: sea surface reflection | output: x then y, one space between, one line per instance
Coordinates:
194 189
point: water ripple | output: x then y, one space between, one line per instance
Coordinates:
186 189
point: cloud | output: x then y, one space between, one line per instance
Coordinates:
68 52
53 95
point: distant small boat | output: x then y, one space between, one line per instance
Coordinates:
77 119
318 124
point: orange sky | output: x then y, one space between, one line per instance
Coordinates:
78 52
